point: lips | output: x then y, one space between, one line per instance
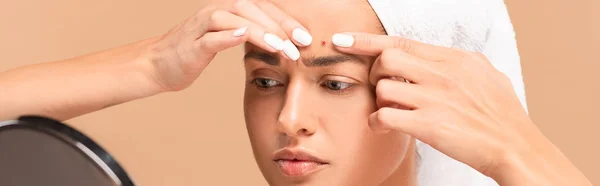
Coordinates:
297 163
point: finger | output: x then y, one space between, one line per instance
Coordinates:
401 95
406 121
373 45
300 35
248 10
214 42
197 24
226 20
222 20
397 63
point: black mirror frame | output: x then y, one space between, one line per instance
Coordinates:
90 149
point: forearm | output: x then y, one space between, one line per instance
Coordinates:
545 165
69 88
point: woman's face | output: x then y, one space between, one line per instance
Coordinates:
308 120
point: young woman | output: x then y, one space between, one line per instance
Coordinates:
344 112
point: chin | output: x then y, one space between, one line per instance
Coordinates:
276 177
302 183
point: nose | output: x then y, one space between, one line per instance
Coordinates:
296 118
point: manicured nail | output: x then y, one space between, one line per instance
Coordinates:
342 40
240 32
302 36
290 50
274 41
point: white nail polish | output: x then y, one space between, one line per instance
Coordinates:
302 36
342 40
240 32
274 41
290 50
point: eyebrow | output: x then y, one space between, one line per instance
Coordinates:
313 61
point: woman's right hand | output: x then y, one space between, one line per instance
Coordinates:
179 56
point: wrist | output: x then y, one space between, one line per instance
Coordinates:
145 64
510 170
129 72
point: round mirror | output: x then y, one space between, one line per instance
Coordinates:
38 151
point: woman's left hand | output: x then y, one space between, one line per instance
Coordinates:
459 104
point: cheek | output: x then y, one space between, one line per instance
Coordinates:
261 114
359 150
365 151
347 118
384 153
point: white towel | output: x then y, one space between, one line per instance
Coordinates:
473 25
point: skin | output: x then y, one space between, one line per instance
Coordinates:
323 107
515 151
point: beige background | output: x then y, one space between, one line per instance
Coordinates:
198 137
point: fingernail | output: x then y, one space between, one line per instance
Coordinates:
274 41
290 50
342 40
240 32
302 36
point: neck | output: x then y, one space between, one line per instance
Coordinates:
406 174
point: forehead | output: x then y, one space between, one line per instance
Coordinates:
323 18
326 17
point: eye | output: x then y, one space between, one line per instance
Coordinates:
337 85
264 83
